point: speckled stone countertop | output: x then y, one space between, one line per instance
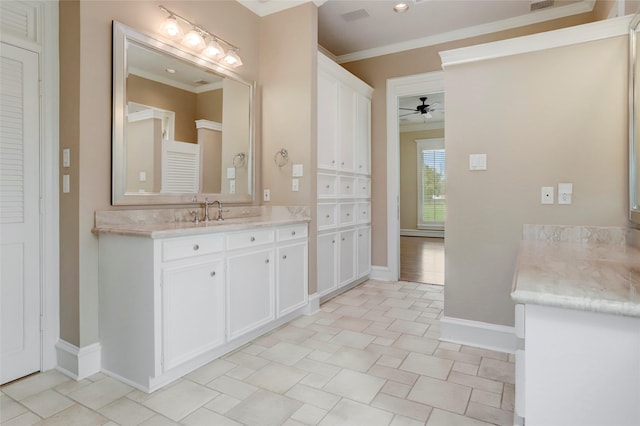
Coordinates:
166 223
585 268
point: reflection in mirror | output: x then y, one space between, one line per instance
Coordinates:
179 125
634 121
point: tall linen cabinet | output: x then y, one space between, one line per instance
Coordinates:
344 179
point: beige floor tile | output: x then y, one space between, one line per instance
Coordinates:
309 395
210 371
47 403
292 334
321 368
440 394
34 384
354 385
489 414
399 420
458 356
232 387
71 385
285 353
222 403
352 311
409 327
350 299
9 409
243 359
352 339
403 314
391 351
291 422
179 401
24 419
240 373
394 374
252 349
416 344
314 380
402 406
202 417
463 367
494 369
485 353
389 361
396 389
353 359
158 420
445 418
319 355
427 365
476 382
126 412
350 323
276 377
100 393
351 413
382 332
76 415
264 408
487 398
397 303
324 346
309 414
508 397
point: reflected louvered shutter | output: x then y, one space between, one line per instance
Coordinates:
180 167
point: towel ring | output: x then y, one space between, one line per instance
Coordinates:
239 160
281 158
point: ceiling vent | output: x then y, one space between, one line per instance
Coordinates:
355 15
201 82
542 4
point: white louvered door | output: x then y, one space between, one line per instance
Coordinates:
19 213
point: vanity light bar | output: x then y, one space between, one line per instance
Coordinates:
212 48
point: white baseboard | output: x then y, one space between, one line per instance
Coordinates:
422 233
480 334
78 363
381 273
313 304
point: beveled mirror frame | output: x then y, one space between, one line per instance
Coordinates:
121 35
634 121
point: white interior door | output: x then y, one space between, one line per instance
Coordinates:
19 214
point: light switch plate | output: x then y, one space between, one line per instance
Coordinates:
297 170
66 157
295 185
478 162
142 176
565 190
266 195
232 187
65 184
231 172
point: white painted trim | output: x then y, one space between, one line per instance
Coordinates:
542 41
381 273
264 8
313 304
584 6
78 363
208 124
50 232
412 85
339 73
421 233
479 334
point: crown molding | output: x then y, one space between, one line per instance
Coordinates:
584 6
267 7
542 41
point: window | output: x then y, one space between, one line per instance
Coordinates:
431 184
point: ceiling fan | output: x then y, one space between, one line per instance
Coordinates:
423 109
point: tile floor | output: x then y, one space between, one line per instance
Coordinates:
422 260
369 357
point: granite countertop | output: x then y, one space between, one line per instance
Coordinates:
166 223
584 275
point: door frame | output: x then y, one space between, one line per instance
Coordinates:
396 88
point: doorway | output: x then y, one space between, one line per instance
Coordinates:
398 88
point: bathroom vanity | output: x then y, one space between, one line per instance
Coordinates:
175 295
577 291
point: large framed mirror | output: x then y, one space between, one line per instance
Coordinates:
634 120
182 126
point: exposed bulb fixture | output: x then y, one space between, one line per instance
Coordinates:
171 28
200 40
401 7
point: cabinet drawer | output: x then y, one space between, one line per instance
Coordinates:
363 187
250 238
180 248
291 232
346 186
363 212
326 216
347 214
326 185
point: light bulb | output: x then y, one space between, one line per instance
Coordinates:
214 50
194 40
232 59
401 7
171 28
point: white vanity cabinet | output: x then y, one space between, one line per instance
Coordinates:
344 178
171 304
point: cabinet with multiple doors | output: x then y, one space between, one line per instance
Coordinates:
169 305
343 207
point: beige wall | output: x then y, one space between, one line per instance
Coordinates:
376 71
289 86
209 105
539 118
211 141
409 175
235 134
85 99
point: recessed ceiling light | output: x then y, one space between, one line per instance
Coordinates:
401 7
170 70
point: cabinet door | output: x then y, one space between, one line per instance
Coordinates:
327 263
346 126
347 256
250 291
327 121
292 277
363 135
192 311
364 251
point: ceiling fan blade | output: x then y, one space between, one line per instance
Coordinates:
408 109
411 113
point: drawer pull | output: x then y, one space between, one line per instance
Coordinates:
284 256
293 232
333 161
364 212
328 186
348 187
213 273
328 216
364 187
360 235
333 241
342 238
360 166
342 163
348 214
196 247
252 239
266 261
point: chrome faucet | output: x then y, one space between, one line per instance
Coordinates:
219 209
206 210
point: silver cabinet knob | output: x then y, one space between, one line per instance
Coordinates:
196 247
328 186
293 232
348 187
284 256
348 214
266 261
342 238
253 239
328 216
213 273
